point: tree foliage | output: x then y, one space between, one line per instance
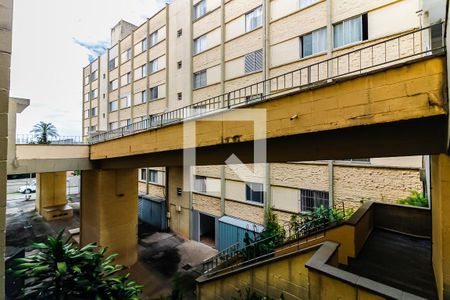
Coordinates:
61 271
43 132
415 199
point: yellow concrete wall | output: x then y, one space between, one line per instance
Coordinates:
440 203
373 99
50 190
109 200
178 205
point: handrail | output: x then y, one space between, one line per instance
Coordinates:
24 139
359 61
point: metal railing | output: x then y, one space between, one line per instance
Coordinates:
396 50
243 254
24 139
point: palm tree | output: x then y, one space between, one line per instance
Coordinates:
43 131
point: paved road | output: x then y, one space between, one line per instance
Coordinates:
73 183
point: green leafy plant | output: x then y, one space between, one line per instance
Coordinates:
61 271
271 237
43 131
415 199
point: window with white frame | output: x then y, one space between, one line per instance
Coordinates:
200 184
113 125
200 44
86 79
86 113
113 85
126 55
199 9
154 65
154 93
350 31
311 199
112 106
254 61
125 101
93 128
144 45
94 75
199 79
253 19
254 192
93 112
126 79
94 94
143 176
144 96
313 43
153 38
305 3
86 97
113 63
153 176
128 122
143 69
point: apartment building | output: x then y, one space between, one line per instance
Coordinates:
192 50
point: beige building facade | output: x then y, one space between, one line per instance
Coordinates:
193 50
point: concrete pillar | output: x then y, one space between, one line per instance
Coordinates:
51 199
109 211
178 202
440 205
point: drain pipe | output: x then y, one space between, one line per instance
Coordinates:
331 182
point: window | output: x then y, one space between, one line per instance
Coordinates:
113 125
104 95
179 96
305 3
86 80
253 19
113 84
200 184
254 61
200 44
94 76
128 122
358 160
179 64
154 93
125 101
144 70
309 200
313 43
199 9
351 31
144 96
199 79
112 106
93 94
154 66
126 79
126 55
93 111
86 97
86 113
93 128
143 176
254 192
179 32
113 63
153 176
153 38
144 45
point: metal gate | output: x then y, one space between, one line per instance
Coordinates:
232 231
152 210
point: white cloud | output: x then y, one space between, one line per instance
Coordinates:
47 62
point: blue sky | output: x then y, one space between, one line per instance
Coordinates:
52 41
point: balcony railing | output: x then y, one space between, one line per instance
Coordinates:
24 139
389 52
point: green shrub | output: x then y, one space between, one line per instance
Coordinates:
61 271
415 199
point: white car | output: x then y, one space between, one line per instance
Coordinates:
28 188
